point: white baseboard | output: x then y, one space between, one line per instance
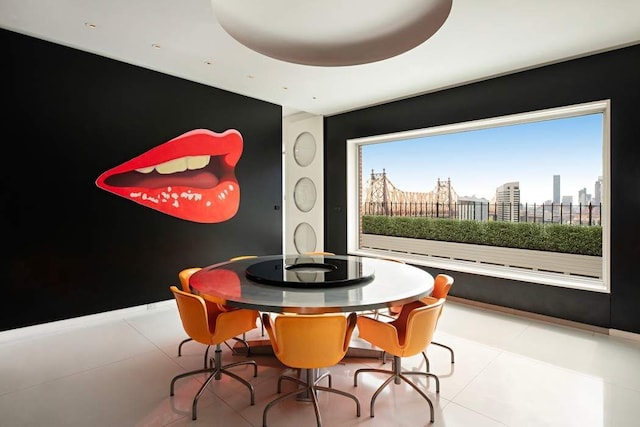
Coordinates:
76 322
597 329
93 319
624 334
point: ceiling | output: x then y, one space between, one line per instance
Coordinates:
480 39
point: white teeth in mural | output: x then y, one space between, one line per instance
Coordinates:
197 162
178 165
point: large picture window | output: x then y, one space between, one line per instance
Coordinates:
524 196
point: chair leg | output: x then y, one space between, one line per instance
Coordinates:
244 343
180 345
397 376
216 372
289 378
206 353
224 370
310 387
300 382
424 355
303 387
324 375
206 356
426 374
426 359
453 360
284 396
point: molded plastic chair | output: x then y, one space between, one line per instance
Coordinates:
309 342
405 336
441 285
184 275
213 328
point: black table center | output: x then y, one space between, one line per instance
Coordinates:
311 272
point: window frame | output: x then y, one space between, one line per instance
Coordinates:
354 195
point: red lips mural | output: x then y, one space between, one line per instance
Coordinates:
191 177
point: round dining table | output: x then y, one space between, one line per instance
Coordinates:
312 283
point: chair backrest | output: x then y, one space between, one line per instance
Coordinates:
310 341
441 285
184 275
210 325
416 325
318 253
193 314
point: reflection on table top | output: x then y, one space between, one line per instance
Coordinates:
296 286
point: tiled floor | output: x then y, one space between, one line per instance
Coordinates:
508 371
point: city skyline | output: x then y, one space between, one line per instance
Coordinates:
480 161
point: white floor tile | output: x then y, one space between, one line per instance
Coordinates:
520 391
508 371
41 359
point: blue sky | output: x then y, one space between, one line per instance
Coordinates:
479 161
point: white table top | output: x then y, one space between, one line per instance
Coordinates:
371 283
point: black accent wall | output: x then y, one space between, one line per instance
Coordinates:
72 249
612 75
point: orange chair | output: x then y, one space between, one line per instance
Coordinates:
405 336
318 253
309 342
184 275
441 286
210 328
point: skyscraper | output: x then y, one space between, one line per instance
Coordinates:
508 202
597 199
473 208
556 189
584 198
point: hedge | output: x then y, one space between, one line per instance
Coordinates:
565 238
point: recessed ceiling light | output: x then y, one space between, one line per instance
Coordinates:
331 32
249 76
157 46
208 62
90 25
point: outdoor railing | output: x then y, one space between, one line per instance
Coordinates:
552 213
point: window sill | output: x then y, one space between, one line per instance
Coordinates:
500 271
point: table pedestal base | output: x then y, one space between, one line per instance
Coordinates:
357 348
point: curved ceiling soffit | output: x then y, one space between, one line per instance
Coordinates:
331 32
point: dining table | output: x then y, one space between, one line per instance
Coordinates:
310 284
